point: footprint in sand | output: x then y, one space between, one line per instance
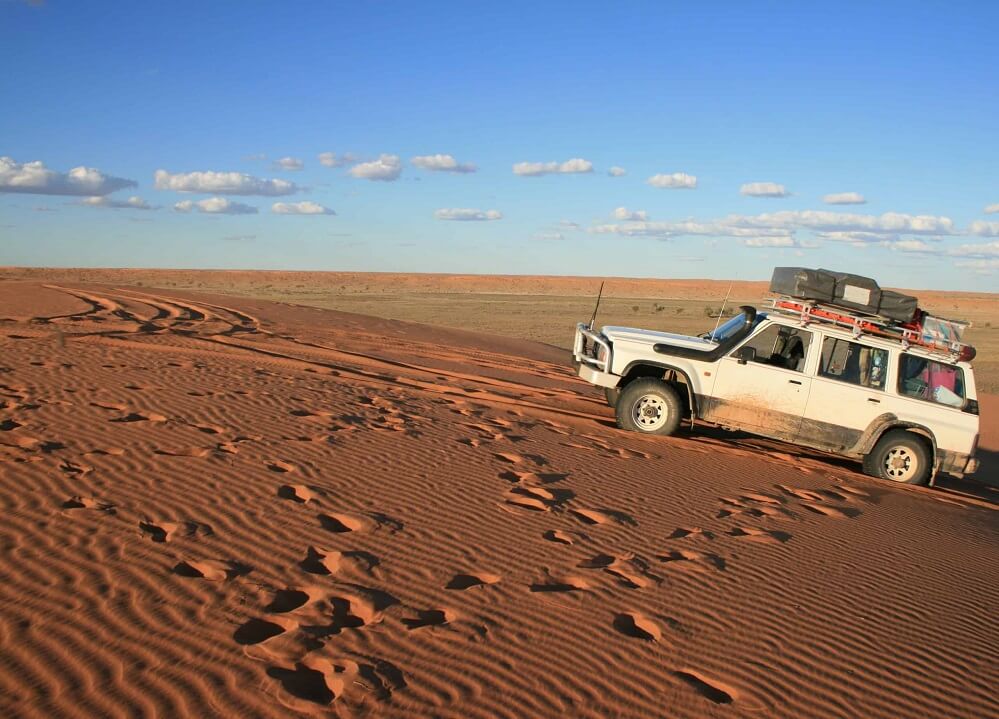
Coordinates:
320 681
691 559
462 582
763 536
291 599
630 570
533 478
832 511
514 458
682 532
74 468
211 569
257 631
198 452
165 531
108 451
538 498
709 689
296 492
429 618
111 406
141 417
81 502
638 626
560 537
209 428
323 561
277 465
560 585
603 516
346 522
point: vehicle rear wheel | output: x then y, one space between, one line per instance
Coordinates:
899 456
649 406
612 393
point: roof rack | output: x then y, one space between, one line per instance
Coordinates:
933 334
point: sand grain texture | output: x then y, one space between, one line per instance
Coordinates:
229 507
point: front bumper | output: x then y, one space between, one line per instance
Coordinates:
595 376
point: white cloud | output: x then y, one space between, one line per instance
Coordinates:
684 228
913 244
224 183
289 163
215 206
845 198
834 226
992 209
829 221
675 181
386 168
569 167
626 215
763 189
132 203
330 159
617 171
982 267
551 235
300 208
984 229
984 250
467 214
441 163
856 237
36 179
781 241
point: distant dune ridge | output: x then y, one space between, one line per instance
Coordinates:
222 506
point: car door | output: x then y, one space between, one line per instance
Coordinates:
766 394
848 393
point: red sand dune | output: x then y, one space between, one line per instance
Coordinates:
220 507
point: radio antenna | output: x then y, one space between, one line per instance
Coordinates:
722 310
597 306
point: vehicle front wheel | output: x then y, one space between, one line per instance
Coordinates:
650 406
899 456
612 394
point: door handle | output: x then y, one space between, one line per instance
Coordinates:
794 381
875 401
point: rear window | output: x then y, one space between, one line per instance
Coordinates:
925 379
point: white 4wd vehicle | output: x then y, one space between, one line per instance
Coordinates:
906 411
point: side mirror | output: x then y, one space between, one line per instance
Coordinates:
746 354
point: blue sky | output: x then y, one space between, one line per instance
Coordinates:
752 114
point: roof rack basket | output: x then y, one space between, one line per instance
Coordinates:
933 334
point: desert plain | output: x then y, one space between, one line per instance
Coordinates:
358 495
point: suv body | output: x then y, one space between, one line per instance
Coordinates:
810 383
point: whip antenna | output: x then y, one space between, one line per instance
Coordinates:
597 306
722 310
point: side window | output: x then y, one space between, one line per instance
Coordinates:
853 362
781 346
923 378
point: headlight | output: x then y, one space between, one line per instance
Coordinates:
602 353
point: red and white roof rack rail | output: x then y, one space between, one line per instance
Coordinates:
933 334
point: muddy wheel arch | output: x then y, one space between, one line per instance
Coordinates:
670 374
887 422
